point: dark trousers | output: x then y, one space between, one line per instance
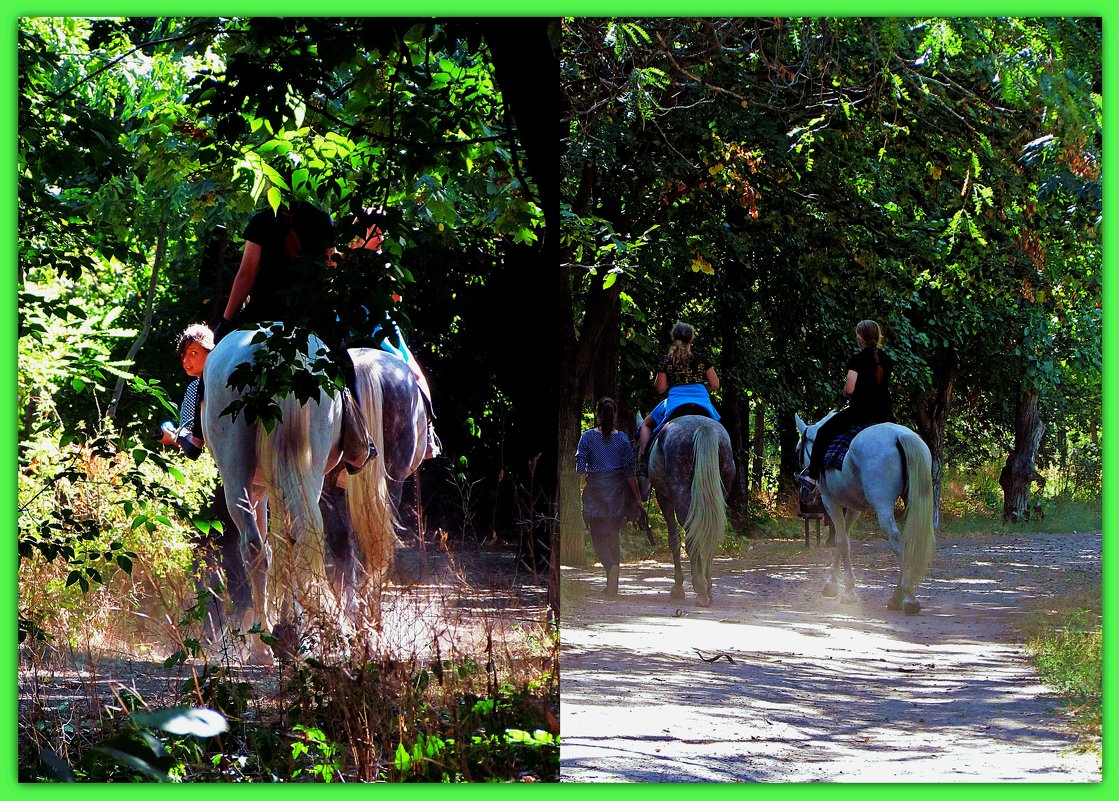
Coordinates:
606 539
841 421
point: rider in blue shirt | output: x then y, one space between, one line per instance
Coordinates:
686 375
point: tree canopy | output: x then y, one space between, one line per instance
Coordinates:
774 181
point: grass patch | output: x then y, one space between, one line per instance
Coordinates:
1069 658
1060 517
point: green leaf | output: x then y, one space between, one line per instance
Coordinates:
402 759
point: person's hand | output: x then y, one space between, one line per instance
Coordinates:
167 434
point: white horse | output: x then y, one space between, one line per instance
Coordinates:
283 470
885 462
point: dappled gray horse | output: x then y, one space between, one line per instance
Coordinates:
691 466
885 462
402 443
283 471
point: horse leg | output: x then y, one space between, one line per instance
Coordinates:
831 586
674 543
902 597
249 515
701 576
851 517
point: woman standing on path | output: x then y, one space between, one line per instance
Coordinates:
605 457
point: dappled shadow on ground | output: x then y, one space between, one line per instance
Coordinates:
455 603
807 688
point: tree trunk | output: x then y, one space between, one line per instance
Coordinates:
759 445
733 417
1019 472
788 437
931 415
580 365
160 254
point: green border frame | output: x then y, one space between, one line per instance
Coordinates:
8 453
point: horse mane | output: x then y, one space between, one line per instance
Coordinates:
370 505
285 459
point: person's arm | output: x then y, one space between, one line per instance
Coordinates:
712 379
660 383
243 282
581 455
849 387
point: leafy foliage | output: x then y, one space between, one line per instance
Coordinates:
789 177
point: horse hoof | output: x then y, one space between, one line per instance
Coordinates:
911 607
849 598
703 600
677 593
830 591
895 604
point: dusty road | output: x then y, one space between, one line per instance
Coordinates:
819 690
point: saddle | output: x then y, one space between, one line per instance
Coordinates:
682 410
833 459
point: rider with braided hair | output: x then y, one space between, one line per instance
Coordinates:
686 375
868 393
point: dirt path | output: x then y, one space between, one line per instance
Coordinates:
819 690
462 602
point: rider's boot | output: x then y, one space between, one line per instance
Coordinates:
807 481
642 468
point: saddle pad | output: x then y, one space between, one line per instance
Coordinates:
833 459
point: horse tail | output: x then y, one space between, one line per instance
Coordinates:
918 538
707 514
286 462
367 497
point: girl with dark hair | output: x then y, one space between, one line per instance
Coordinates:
605 458
686 375
868 393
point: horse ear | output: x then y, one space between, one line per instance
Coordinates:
801 425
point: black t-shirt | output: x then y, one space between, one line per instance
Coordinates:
871 400
283 283
694 372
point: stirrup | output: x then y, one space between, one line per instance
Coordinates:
808 482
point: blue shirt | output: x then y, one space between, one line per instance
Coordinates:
598 455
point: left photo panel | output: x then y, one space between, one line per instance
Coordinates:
289 320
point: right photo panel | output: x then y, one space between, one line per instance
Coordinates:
830 427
